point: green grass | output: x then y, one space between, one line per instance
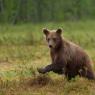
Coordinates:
28 34
23 49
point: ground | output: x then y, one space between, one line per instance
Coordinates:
23 49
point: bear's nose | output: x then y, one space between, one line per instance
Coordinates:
50 46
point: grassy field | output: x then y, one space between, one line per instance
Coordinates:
23 49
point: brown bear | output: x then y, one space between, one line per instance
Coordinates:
67 58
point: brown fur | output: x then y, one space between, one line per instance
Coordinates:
68 58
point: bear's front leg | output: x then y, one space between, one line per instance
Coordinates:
58 71
46 69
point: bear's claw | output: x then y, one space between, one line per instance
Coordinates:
40 70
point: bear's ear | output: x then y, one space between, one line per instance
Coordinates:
59 31
45 31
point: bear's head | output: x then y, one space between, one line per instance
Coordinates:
53 38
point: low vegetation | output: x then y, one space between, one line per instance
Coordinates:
23 49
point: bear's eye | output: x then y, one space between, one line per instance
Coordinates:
48 39
54 39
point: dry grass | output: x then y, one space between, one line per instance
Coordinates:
46 85
22 78
19 59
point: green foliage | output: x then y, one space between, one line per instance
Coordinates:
19 11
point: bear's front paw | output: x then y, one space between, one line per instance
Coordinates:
40 70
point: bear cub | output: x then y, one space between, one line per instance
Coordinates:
67 58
